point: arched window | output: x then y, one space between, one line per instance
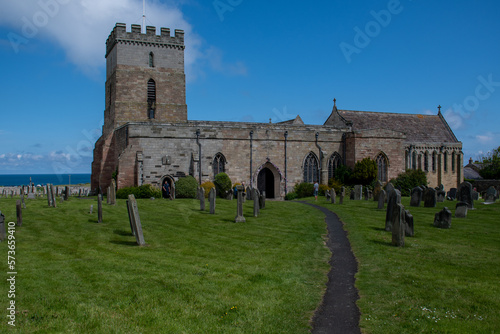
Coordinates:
382 167
311 170
445 161
434 156
426 161
333 163
151 59
414 160
420 161
151 98
453 161
407 162
219 164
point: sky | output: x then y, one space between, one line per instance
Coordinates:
249 61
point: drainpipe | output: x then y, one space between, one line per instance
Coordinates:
320 159
251 157
286 139
199 154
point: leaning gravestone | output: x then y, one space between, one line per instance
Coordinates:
19 213
416 196
333 195
393 198
464 194
99 208
461 210
342 195
442 219
381 199
388 188
409 229
239 208
135 220
3 231
256 204
211 199
358 192
430 198
201 195
398 225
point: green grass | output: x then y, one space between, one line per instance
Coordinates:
199 273
442 281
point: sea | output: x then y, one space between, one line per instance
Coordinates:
13 180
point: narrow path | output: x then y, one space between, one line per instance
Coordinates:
338 312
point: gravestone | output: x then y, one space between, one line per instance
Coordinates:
368 194
442 219
91 208
358 192
49 196
31 196
381 199
409 229
475 195
491 195
376 191
393 198
461 210
416 196
112 192
388 188
211 199
430 198
99 208
342 195
201 195
441 195
3 231
333 196
398 225
66 193
135 220
249 193
452 194
239 208
464 194
19 213
256 204
53 194
22 201
262 200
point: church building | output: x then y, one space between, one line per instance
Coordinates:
148 139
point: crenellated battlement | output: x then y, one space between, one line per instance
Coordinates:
120 35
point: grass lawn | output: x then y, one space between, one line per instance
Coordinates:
199 273
442 281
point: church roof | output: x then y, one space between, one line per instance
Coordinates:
417 128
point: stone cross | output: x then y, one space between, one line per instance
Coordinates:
393 198
135 220
239 212
99 208
398 225
19 213
256 204
211 197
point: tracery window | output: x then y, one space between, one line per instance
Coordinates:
219 164
382 164
311 170
333 163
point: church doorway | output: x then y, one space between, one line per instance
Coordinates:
265 182
167 187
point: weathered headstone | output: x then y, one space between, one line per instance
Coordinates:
66 193
112 192
49 196
416 196
53 194
256 204
333 196
239 208
23 202
381 199
441 195
31 196
376 191
342 195
202 198
3 230
99 208
430 198
464 194
475 195
409 229
249 193
108 198
491 195
19 213
211 198
262 200
398 225
461 210
452 194
388 188
393 198
442 219
358 192
135 220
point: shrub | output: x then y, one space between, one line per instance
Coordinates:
409 180
290 196
144 191
323 188
337 185
186 187
343 174
365 171
222 184
304 189
207 186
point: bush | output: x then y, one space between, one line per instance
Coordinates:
207 186
304 189
409 180
144 191
337 185
290 196
222 184
365 171
186 187
343 174
323 188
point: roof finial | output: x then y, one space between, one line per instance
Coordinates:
439 109
334 102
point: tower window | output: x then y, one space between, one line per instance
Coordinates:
151 98
151 59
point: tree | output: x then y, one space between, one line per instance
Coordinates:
491 165
365 171
409 180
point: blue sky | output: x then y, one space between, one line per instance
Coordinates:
249 61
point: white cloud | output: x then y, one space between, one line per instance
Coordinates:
454 119
485 139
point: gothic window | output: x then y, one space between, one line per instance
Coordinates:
382 167
407 164
453 161
414 161
219 164
434 161
426 161
420 161
445 162
311 170
151 59
333 163
151 98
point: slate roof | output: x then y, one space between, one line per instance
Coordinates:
418 128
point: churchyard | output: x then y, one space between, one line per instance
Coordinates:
80 269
